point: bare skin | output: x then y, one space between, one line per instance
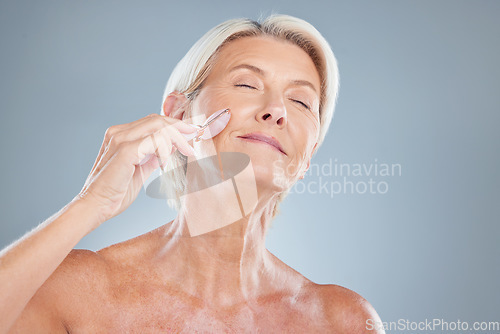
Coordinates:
121 289
224 280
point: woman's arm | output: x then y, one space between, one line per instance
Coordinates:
27 263
128 155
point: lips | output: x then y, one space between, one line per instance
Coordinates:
265 139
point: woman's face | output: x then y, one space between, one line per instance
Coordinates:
272 88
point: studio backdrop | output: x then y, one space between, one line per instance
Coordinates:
401 202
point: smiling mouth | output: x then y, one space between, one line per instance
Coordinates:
260 139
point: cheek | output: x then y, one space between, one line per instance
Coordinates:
304 141
206 103
213 98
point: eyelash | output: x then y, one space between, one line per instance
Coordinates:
296 101
302 104
243 85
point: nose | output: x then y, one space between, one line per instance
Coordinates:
274 113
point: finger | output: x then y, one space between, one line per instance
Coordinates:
163 146
142 128
182 126
112 131
125 133
124 126
146 154
163 126
178 140
152 125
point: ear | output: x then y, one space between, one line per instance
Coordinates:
174 105
309 161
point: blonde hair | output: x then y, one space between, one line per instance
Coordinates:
190 73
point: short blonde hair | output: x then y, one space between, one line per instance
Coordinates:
190 73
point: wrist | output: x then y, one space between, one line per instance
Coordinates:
85 207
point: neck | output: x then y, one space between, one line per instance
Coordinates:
215 249
226 266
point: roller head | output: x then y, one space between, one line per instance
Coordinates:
216 123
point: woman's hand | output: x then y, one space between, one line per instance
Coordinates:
128 156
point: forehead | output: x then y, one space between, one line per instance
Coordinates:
275 57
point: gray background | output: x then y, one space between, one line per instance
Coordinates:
420 86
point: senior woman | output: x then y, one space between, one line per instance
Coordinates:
207 270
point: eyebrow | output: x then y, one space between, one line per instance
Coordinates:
261 72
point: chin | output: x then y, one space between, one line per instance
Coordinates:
267 164
268 175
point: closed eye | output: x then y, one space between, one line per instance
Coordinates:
244 85
302 103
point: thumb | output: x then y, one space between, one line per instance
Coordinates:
144 171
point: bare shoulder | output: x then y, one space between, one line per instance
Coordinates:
81 265
81 273
54 302
81 259
346 311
